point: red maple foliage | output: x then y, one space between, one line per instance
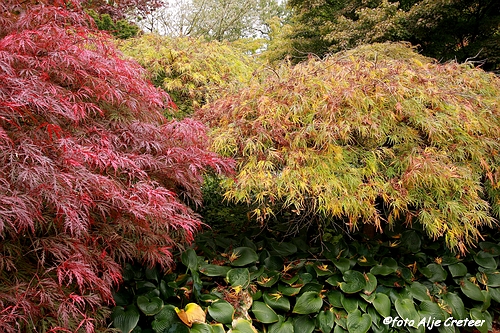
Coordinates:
118 9
91 172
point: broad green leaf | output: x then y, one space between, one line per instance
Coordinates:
122 298
284 249
249 243
149 306
323 270
209 298
144 286
492 279
339 329
201 328
268 280
334 280
354 282
190 259
311 286
289 290
152 293
491 248
125 319
244 256
325 321
177 328
357 323
386 267
274 263
458 269
350 304
152 274
303 324
165 319
478 315
471 290
217 328
342 264
456 305
487 300
291 280
281 326
277 301
382 304
368 298
371 283
238 277
340 317
485 260
308 302
366 261
376 317
241 325
335 298
411 240
264 313
255 274
382 270
431 310
406 309
221 311
419 291
495 294
214 270
437 273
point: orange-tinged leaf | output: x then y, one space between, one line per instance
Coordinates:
192 313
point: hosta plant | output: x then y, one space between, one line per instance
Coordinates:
379 135
92 174
259 284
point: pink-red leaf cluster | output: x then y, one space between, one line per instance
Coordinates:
91 172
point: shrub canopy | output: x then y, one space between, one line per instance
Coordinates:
375 135
192 70
91 172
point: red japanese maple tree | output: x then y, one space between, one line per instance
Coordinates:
91 173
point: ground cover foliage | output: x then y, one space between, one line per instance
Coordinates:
378 135
240 280
92 174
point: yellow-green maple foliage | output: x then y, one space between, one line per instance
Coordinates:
375 135
192 70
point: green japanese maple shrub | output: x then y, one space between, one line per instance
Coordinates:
377 135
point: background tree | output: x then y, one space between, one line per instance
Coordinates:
121 9
91 173
213 19
445 30
373 136
120 28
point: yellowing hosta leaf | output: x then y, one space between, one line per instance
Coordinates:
192 313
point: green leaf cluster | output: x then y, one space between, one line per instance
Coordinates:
121 28
447 30
264 285
377 135
192 70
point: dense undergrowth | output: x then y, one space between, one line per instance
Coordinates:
238 278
